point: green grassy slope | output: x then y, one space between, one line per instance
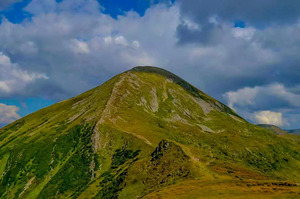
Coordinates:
141 134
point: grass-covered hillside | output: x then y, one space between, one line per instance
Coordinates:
145 133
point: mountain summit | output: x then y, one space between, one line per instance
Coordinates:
145 133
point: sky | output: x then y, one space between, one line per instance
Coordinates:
245 54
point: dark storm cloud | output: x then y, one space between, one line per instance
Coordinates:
252 12
272 30
249 59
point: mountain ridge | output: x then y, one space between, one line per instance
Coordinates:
275 129
184 84
279 130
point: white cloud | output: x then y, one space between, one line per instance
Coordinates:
79 38
12 78
109 46
136 44
106 46
252 96
244 33
279 100
8 113
190 24
119 40
269 117
244 96
79 46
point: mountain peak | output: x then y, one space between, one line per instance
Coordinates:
176 79
185 85
154 69
160 71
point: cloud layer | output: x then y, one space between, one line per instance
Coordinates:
260 97
274 97
71 46
269 117
8 113
255 13
13 79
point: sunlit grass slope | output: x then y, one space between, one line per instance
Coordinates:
146 133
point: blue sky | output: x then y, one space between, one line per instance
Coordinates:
245 55
15 13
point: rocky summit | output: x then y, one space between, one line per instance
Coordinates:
145 133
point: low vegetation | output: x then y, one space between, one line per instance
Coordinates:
145 133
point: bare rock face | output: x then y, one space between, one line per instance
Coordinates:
168 164
160 150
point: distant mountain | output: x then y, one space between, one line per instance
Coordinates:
275 129
278 130
145 133
294 131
